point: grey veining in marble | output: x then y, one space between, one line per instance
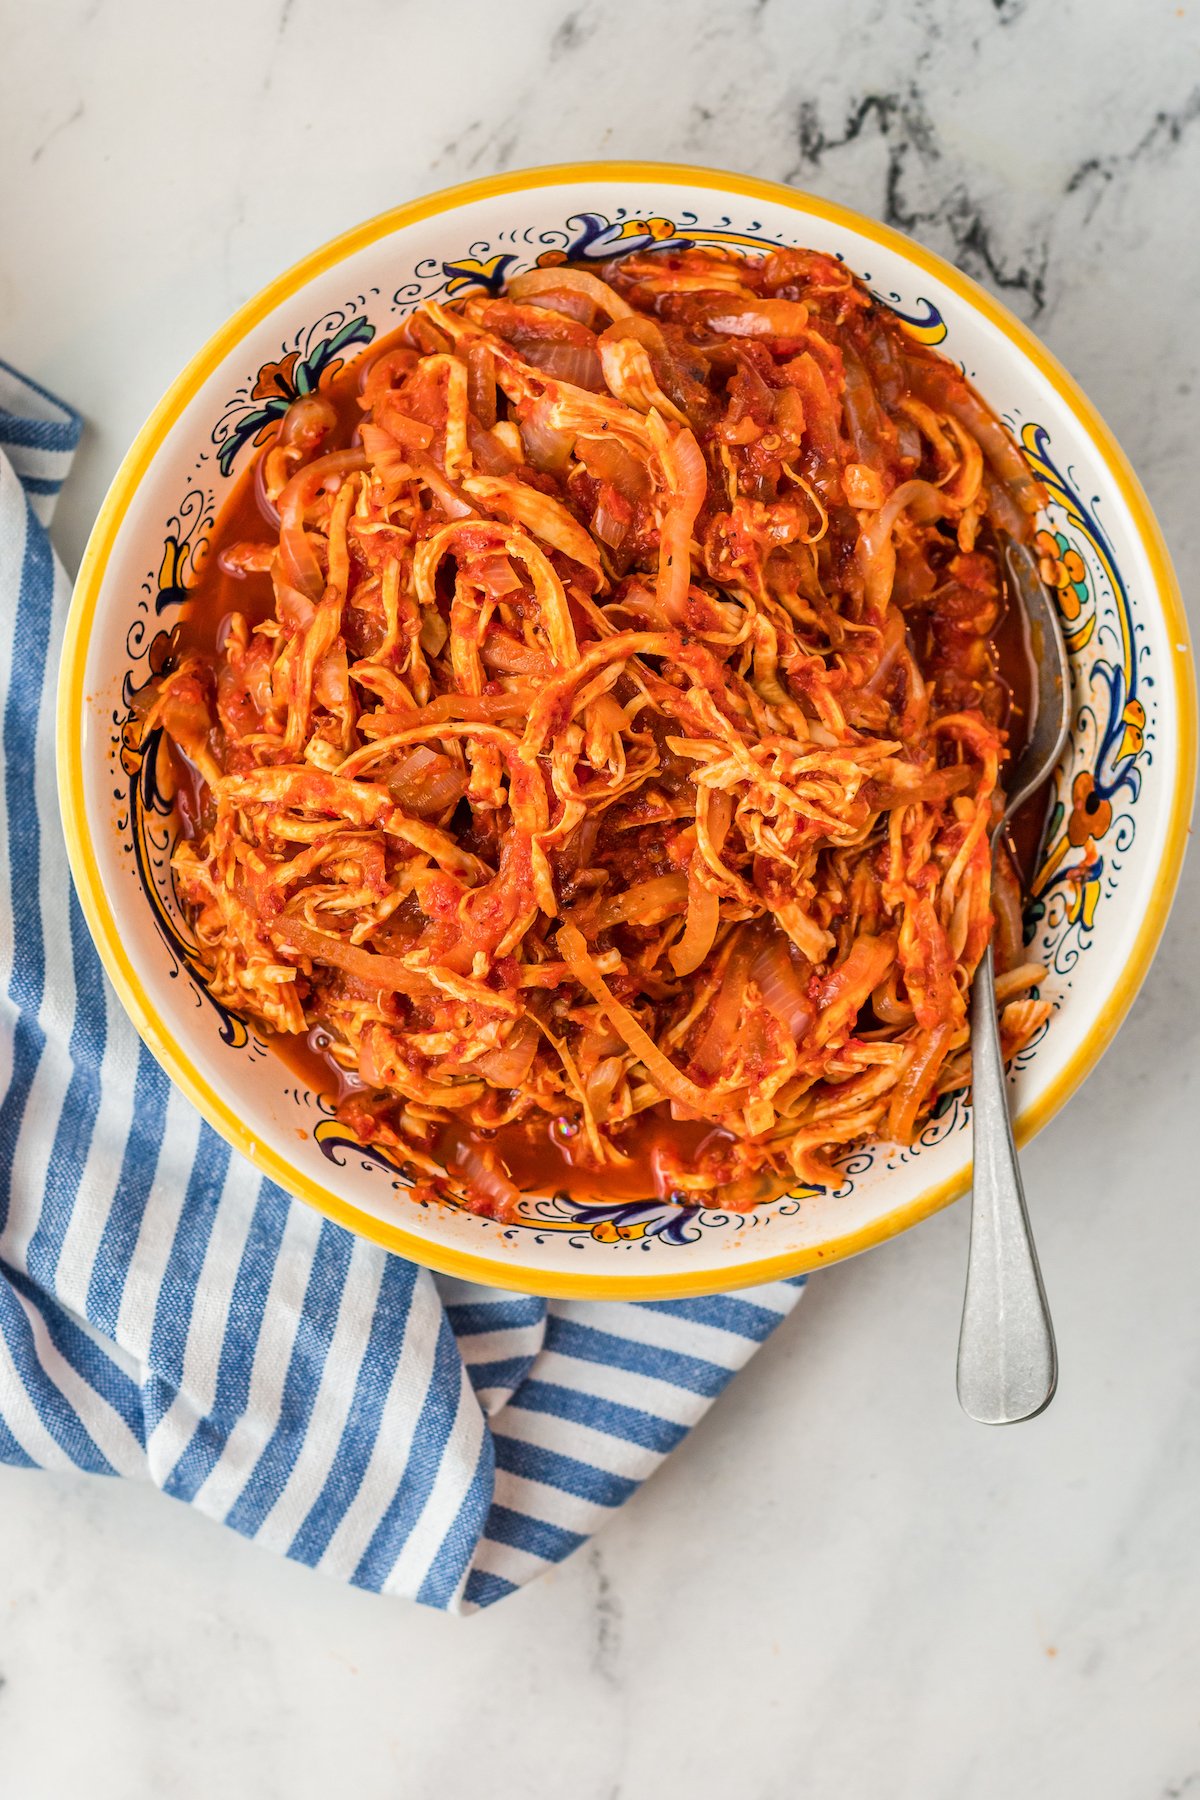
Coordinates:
839 1587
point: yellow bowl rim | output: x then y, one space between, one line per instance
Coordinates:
498 1271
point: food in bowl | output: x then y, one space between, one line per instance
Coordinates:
588 725
1117 812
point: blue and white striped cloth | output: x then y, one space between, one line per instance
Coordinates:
169 1315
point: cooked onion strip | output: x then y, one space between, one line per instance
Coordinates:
558 280
703 916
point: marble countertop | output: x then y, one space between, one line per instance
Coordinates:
839 1586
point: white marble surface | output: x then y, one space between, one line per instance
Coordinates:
839 1586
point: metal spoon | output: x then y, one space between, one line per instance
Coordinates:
1007 1363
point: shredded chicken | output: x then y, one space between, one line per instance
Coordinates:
606 750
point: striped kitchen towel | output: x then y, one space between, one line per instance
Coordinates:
168 1314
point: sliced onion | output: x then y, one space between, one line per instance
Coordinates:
493 574
703 917
502 651
640 605
385 373
240 560
307 421
299 563
893 644
508 1066
389 464
295 609
867 424
1003 510
425 782
876 552
409 433
564 280
913 1086
612 521
605 459
691 472
268 466
1018 981
296 554
481 382
331 682
788 410
479 1175
547 448
450 498
939 387
781 973
186 720
573 363
601 1085
679 384
689 487
567 305
490 454
646 902
715 1041
887 1006
844 991
647 331
760 318
308 481
1009 939
921 497
862 486
720 818
433 633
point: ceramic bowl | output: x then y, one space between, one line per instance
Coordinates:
1117 825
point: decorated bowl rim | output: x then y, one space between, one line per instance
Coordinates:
102 920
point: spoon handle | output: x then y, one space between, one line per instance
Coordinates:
1007 1364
